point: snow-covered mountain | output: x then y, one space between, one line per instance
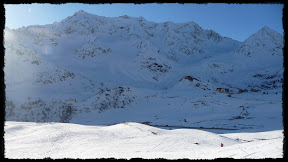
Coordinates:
98 70
265 42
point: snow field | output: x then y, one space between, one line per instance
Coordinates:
134 140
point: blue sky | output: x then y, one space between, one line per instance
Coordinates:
237 21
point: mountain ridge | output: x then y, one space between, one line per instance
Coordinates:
105 70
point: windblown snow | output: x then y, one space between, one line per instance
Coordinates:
70 84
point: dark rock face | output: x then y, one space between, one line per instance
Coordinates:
190 78
222 90
118 97
243 90
158 67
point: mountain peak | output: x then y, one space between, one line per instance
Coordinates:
80 12
266 40
266 30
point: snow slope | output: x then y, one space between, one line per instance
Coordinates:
134 140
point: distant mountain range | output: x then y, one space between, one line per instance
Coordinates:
99 70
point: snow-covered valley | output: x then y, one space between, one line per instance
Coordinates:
88 82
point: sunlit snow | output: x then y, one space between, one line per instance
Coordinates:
81 87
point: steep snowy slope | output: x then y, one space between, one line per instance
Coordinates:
91 69
34 86
265 58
